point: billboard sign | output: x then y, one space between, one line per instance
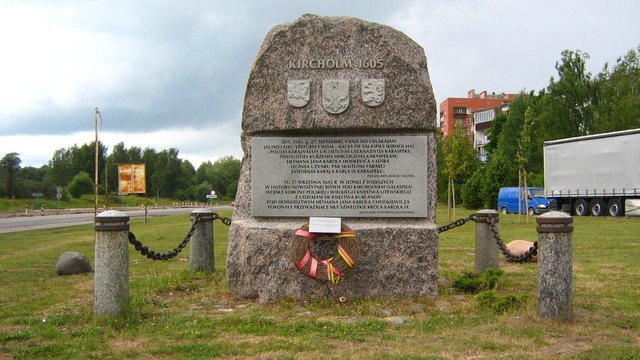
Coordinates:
131 179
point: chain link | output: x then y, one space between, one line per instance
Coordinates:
533 250
456 223
145 251
224 220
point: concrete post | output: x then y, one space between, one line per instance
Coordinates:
201 249
111 276
487 251
555 287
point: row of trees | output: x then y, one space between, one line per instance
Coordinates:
575 104
167 175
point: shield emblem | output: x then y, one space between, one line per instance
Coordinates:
373 91
298 92
335 95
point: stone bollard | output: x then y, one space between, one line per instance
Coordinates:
201 249
111 274
555 265
487 251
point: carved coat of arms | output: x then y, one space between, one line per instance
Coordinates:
373 91
298 92
335 95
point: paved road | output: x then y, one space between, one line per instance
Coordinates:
24 223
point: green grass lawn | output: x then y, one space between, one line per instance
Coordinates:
178 314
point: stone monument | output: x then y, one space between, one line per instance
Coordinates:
339 122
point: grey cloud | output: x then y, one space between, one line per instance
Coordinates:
190 63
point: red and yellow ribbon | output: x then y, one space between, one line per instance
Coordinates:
333 273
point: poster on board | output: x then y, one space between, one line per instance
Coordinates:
131 179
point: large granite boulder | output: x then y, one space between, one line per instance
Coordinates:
73 262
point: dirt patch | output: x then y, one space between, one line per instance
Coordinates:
11 328
566 345
4 356
121 345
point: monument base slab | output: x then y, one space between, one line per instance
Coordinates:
395 260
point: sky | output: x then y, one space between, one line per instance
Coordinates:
173 73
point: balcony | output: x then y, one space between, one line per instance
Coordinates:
461 110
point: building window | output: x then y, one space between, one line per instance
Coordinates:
468 121
460 110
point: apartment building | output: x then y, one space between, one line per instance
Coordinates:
460 110
482 121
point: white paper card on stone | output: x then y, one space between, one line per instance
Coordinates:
325 225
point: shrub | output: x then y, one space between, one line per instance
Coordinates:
471 282
490 300
80 184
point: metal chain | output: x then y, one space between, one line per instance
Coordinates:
168 255
533 250
145 251
456 223
224 220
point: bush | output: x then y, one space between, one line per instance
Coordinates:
471 191
80 184
490 300
471 282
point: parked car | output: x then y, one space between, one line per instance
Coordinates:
535 203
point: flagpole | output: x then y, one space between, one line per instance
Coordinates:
95 204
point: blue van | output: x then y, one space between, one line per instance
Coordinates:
508 201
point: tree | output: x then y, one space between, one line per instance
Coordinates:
168 173
61 165
204 173
500 168
80 184
149 158
201 191
472 189
223 175
618 95
571 98
32 180
226 173
459 162
494 133
524 144
66 163
498 172
9 168
186 187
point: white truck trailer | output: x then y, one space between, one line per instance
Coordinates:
595 174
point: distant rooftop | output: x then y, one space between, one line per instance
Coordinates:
485 95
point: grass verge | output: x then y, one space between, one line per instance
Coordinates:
178 314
